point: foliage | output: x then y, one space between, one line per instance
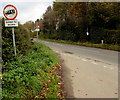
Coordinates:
21 39
112 36
88 44
30 75
30 26
71 21
103 17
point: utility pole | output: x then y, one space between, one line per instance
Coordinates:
87 20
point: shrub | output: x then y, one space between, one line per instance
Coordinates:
30 75
112 36
21 39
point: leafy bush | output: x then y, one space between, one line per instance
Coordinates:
112 36
96 34
30 75
104 46
21 39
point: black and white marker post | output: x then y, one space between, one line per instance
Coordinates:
37 28
10 12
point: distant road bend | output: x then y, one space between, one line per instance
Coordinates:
88 72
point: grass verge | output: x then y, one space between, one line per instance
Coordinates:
32 76
102 46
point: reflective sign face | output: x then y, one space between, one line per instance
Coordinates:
37 26
10 12
11 23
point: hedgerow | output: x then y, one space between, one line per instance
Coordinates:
31 76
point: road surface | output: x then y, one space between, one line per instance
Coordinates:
88 72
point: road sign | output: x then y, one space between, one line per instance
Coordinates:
11 23
37 26
37 29
10 12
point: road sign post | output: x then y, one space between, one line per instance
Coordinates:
37 29
14 41
10 12
37 34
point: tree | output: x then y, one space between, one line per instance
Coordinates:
102 17
73 19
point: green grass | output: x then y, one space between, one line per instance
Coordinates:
31 76
102 46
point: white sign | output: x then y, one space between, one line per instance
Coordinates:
10 12
11 23
37 29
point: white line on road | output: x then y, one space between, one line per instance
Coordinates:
111 68
104 66
108 67
57 51
64 54
84 60
94 63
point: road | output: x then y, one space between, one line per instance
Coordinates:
88 72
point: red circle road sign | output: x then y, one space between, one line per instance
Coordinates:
10 12
37 26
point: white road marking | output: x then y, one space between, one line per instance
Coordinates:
104 66
94 63
64 54
57 51
108 67
111 68
84 60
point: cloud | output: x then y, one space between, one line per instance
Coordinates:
28 10
27 0
32 11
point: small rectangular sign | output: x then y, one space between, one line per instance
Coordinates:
11 23
37 29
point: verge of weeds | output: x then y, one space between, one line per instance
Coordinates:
102 46
32 76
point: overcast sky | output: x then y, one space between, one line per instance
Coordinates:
31 10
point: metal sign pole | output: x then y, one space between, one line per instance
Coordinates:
14 41
10 12
37 34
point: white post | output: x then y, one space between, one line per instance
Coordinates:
102 41
14 41
37 34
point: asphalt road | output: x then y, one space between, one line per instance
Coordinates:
88 72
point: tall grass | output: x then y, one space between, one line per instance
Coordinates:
31 76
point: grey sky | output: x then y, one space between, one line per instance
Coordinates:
31 10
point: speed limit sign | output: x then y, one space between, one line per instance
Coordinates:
10 12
